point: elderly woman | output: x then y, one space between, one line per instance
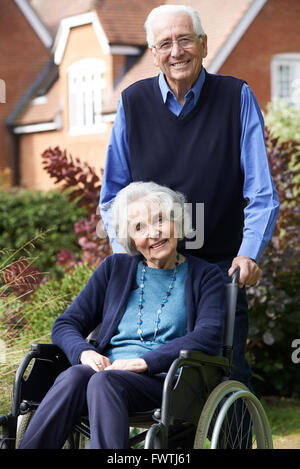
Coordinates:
152 302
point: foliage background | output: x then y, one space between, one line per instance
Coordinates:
275 302
283 120
70 251
25 213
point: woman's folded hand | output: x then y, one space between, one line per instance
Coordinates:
100 363
94 359
138 365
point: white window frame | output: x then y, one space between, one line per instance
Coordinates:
2 91
291 62
85 90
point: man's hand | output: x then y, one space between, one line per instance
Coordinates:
94 360
138 365
249 271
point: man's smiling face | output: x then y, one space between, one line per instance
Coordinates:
180 66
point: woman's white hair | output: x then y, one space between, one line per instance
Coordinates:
171 10
172 204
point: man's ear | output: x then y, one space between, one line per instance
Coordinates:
154 55
204 45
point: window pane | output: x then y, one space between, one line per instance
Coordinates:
284 81
85 95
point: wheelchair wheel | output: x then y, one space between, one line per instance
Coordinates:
73 441
233 418
22 425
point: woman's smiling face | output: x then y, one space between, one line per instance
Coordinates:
153 234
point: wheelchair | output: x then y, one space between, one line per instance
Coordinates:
202 408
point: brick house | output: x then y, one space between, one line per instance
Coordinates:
20 30
92 50
100 48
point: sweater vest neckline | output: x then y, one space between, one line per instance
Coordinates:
169 114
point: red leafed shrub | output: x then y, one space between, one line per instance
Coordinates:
21 277
83 186
66 258
75 175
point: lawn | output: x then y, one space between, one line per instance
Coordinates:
284 417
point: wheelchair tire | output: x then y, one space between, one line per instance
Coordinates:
72 442
22 425
233 418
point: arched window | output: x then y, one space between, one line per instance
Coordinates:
86 85
285 77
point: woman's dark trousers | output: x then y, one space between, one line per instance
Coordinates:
107 397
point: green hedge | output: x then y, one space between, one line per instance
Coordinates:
283 120
52 298
25 213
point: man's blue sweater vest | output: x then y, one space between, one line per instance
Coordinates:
198 155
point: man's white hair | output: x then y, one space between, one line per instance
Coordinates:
171 10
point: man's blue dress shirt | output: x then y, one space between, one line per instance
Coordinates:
262 209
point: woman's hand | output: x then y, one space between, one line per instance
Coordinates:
138 365
100 362
94 360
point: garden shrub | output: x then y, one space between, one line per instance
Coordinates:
34 317
83 185
25 213
53 297
283 120
275 302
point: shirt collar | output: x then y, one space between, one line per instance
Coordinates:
196 89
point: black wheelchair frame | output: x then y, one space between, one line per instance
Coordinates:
192 403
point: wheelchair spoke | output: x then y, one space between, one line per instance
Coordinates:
235 431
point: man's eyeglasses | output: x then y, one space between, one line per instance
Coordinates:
184 42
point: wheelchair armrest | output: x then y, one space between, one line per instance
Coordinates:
202 358
48 360
197 371
46 350
195 358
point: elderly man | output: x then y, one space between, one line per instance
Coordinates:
203 135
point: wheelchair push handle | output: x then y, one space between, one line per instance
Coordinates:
235 276
232 289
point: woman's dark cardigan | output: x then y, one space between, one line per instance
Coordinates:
104 300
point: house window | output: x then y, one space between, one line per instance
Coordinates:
86 84
285 78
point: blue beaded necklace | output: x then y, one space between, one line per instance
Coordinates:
162 305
